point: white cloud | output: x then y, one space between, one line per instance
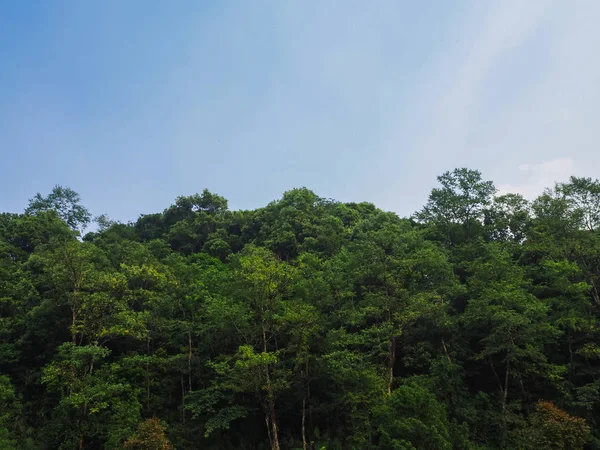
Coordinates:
355 101
534 178
455 97
517 82
500 30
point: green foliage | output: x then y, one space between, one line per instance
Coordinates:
462 198
308 323
92 400
9 410
410 419
65 202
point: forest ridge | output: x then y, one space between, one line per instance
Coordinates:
306 324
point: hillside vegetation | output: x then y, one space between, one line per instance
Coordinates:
306 324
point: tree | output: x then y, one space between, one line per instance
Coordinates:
461 199
554 429
508 217
410 419
65 202
308 323
401 278
9 409
508 321
92 401
260 280
584 196
150 435
75 275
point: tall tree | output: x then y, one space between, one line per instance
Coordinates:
66 202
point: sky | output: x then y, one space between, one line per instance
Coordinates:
133 103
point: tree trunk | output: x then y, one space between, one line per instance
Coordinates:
264 336
505 396
268 423
275 444
595 292
189 361
523 392
570 341
73 322
310 417
182 400
446 351
272 417
391 362
148 374
303 423
496 375
74 340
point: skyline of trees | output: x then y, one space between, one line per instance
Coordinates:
305 324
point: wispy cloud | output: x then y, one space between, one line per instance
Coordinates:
356 101
493 30
517 83
534 178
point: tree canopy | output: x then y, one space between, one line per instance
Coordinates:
306 324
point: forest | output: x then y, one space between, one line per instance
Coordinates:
305 324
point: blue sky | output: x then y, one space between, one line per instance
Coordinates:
132 103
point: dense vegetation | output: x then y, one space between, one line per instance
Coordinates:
306 324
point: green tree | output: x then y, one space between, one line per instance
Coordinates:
308 323
461 199
9 411
584 196
93 403
65 201
410 419
260 281
508 322
401 279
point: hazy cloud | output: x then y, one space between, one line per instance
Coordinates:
357 101
517 82
534 178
